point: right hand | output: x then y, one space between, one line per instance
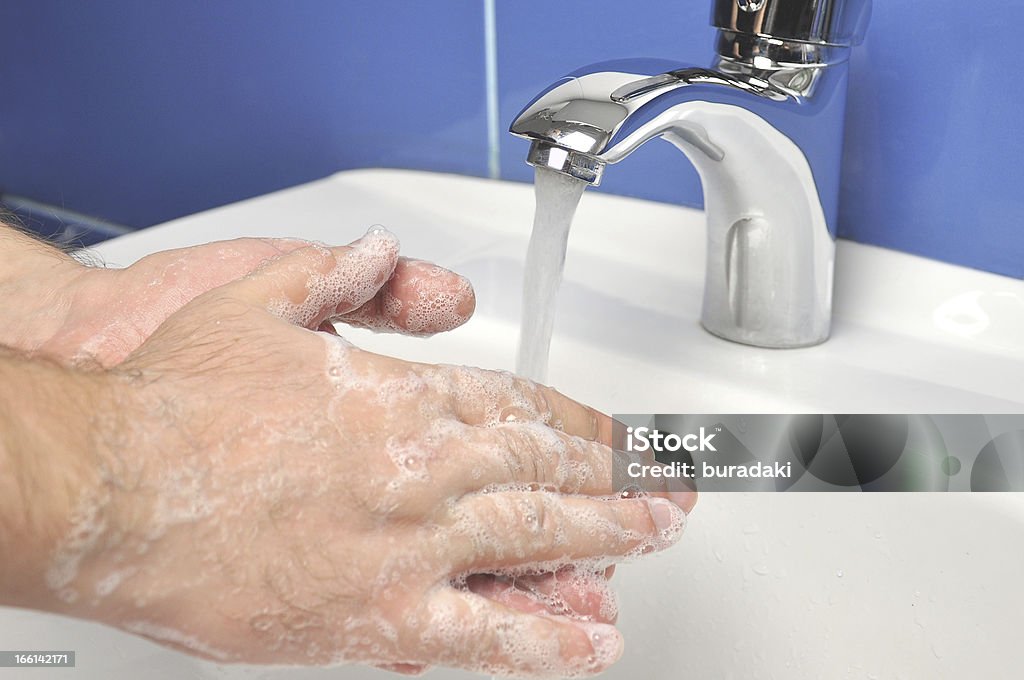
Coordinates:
271 494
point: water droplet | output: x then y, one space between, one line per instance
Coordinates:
632 492
531 521
839 573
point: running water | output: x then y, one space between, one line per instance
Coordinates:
557 196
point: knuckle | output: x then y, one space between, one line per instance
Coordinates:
543 520
379 495
536 397
596 472
520 456
223 306
320 258
623 515
633 521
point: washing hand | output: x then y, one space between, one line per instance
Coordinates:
100 315
91 316
270 494
371 577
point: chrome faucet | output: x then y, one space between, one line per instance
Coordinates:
763 127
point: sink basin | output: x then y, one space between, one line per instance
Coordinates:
763 585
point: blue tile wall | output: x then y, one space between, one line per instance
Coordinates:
934 159
140 112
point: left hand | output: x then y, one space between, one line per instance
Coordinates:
108 313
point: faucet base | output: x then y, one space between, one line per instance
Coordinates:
760 341
770 256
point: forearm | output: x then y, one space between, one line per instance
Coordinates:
48 462
35 280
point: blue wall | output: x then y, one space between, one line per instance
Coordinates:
137 112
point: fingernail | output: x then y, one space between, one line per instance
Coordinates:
606 641
666 514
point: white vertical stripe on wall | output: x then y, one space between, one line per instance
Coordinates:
491 66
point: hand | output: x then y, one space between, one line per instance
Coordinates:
315 503
108 313
88 316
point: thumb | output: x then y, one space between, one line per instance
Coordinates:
311 284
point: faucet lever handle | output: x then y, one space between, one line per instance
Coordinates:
693 76
639 88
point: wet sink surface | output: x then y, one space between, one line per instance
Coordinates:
783 586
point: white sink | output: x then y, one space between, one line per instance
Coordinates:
764 585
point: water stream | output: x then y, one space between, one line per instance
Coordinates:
557 196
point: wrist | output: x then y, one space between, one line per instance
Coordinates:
51 462
37 283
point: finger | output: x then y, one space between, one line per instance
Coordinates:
502 589
534 456
545 531
686 500
575 591
311 284
469 631
185 273
679 490
161 283
570 591
420 298
509 398
575 418
456 459
209 265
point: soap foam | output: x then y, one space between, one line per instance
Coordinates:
220 511
175 637
355 278
521 645
442 301
88 526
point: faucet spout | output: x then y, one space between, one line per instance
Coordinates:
763 127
